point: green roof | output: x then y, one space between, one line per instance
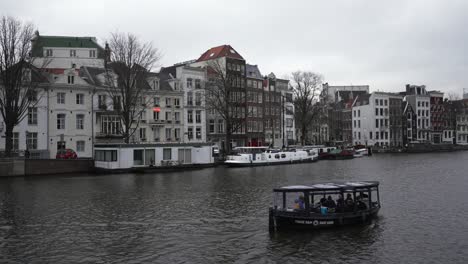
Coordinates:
64 41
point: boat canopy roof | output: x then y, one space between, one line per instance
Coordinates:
330 186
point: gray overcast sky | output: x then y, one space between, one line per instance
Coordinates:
385 44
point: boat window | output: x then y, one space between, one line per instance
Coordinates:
294 201
277 156
138 157
283 156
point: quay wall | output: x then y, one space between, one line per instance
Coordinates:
34 167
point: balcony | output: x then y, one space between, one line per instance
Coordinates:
106 135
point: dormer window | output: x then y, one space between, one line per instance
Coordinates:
71 79
92 54
72 53
155 85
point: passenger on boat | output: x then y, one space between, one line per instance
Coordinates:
299 203
323 201
349 203
340 204
330 204
362 196
360 204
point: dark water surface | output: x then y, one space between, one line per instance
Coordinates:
220 215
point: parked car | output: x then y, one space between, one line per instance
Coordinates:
66 154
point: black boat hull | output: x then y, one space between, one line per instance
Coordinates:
280 221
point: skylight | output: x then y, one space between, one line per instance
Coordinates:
232 51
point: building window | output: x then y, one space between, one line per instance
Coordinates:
110 125
80 121
198 116
168 116
359 113
142 133
359 123
176 102
376 101
49 53
211 128
92 54
80 146
189 98
155 115
190 116
31 140
370 135
220 126
72 53
60 121
60 98
197 84
156 101
376 123
189 83
15 141
190 133
198 132
102 102
167 154
168 102
177 116
168 134
197 99
80 99
32 116
376 111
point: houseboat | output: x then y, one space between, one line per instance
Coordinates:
261 156
324 205
149 157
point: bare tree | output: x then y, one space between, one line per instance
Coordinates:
306 87
226 98
18 78
453 96
130 61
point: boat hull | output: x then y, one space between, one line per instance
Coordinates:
266 163
281 221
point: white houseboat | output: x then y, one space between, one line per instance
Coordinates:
141 157
260 156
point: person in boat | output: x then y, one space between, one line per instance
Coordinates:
349 203
323 202
362 196
299 203
340 204
360 204
330 204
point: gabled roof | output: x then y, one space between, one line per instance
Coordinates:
39 42
253 71
220 52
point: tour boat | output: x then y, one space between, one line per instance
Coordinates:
304 206
261 156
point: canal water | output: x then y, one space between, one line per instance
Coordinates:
220 215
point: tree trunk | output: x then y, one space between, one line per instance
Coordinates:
228 142
8 139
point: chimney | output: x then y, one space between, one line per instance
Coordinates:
107 54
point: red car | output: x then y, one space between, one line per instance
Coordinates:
66 154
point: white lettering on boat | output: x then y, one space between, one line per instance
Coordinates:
315 222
